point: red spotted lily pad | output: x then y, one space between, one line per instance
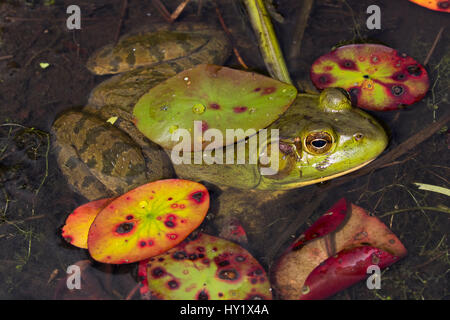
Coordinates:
437 5
147 221
76 229
334 253
377 77
215 97
206 268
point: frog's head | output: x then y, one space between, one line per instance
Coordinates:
322 137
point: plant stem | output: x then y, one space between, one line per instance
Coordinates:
267 39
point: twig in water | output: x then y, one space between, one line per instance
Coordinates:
437 209
436 40
133 291
227 31
122 16
6 57
170 17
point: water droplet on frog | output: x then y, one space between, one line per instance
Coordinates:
198 108
186 78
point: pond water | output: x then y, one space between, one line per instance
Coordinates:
35 199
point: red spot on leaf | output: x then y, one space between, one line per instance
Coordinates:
214 106
198 196
269 90
204 126
239 109
69 239
172 236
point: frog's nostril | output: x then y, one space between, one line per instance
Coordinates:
358 136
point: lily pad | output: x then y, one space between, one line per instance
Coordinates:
215 96
207 268
329 246
377 77
437 5
346 268
76 228
147 221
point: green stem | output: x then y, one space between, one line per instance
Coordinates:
268 42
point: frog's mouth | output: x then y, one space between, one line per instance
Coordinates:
309 182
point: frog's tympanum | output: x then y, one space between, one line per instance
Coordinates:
102 154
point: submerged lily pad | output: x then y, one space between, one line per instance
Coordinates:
147 221
76 228
217 97
437 5
207 268
377 77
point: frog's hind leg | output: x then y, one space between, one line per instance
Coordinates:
95 155
78 175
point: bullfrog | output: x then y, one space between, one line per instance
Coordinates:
102 154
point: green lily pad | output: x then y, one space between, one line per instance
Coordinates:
207 268
217 97
377 77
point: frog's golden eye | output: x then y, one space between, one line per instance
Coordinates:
318 142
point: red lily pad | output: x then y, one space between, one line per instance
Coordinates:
207 268
214 96
377 77
329 247
147 221
344 269
76 228
437 5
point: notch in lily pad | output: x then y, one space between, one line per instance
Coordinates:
147 221
436 5
206 268
376 77
214 96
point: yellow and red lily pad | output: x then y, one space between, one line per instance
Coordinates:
377 77
215 97
206 268
147 221
76 228
437 5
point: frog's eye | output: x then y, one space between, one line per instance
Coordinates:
318 142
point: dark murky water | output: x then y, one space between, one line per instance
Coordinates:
34 197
